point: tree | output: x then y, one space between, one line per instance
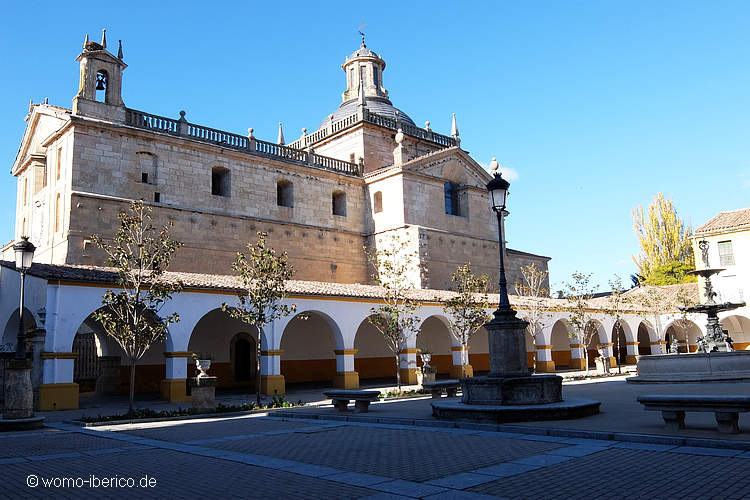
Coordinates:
671 273
615 307
682 300
654 302
579 293
536 296
467 309
263 274
141 254
395 318
663 237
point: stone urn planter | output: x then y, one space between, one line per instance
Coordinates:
202 365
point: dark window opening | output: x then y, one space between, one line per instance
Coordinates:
157 197
220 181
451 198
144 177
284 193
338 201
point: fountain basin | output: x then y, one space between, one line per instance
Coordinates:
690 368
562 410
528 390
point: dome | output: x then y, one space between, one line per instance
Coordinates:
374 105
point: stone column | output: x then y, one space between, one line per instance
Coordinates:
346 377
632 352
456 371
19 396
271 380
174 385
609 351
408 366
58 391
544 362
577 357
37 347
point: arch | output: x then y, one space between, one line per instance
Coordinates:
284 193
338 203
560 342
434 336
620 341
594 340
221 181
377 202
242 355
644 338
738 328
308 345
214 336
479 351
374 358
10 333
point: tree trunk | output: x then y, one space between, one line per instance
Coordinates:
257 368
463 360
398 373
132 387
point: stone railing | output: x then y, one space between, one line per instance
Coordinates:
384 121
249 144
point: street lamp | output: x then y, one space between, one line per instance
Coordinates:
498 188
24 250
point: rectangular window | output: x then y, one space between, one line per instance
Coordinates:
59 162
157 197
144 177
726 257
451 198
57 213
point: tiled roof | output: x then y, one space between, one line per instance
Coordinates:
733 219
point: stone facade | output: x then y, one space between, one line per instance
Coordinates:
78 168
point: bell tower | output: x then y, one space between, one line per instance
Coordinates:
364 68
100 87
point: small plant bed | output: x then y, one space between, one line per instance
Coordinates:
402 394
567 378
147 414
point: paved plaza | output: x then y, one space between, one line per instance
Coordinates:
395 451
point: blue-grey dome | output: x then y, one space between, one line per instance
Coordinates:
374 105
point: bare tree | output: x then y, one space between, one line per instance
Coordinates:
467 310
617 303
395 319
655 303
264 275
579 293
141 254
536 297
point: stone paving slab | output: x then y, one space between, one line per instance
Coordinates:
41 444
629 474
174 472
413 455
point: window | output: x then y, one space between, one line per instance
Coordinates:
157 197
284 193
144 177
726 257
378 201
57 213
451 198
59 162
220 181
375 76
338 200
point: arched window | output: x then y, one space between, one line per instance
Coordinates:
220 181
451 198
102 85
338 201
378 201
284 193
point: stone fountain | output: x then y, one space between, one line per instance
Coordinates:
716 360
510 393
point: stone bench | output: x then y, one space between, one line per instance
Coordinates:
673 408
362 399
436 388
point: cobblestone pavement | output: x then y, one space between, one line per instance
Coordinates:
275 457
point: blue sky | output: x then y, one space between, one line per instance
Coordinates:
596 106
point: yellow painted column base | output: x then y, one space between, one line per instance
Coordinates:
58 397
612 362
631 359
545 367
457 373
577 364
346 380
408 376
174 390
272 384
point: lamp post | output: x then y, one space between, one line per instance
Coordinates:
498 188
24 251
